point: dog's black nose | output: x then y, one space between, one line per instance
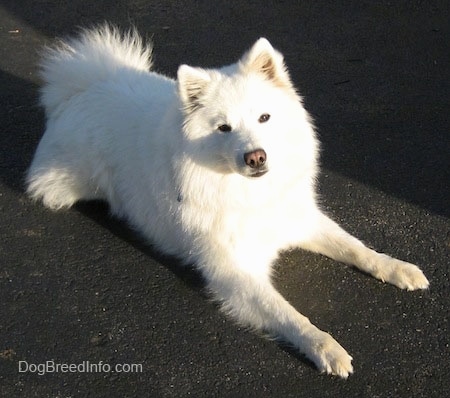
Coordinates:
255 159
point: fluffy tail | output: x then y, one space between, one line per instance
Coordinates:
73 65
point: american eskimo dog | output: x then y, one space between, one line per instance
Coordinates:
217 168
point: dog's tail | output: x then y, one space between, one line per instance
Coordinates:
72 66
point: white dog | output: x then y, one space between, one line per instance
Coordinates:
217 168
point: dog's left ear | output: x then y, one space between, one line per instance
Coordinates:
263 58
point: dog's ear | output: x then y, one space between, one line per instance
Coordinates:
263 58
191 84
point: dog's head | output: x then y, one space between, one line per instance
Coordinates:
247 117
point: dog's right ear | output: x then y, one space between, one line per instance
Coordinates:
191 84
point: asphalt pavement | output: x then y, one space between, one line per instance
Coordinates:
109 317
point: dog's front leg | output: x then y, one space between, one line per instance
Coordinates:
254 302
331 240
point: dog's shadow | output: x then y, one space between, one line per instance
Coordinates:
98 211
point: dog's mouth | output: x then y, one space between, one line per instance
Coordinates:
259 173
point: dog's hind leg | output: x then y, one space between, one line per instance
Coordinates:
58 187
331 240
61 178
254 302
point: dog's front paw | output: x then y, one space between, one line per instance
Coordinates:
402 274
330 357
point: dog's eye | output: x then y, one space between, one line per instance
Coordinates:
224 128
264 118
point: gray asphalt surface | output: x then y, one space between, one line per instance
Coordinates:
78 286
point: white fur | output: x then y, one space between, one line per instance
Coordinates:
152 148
